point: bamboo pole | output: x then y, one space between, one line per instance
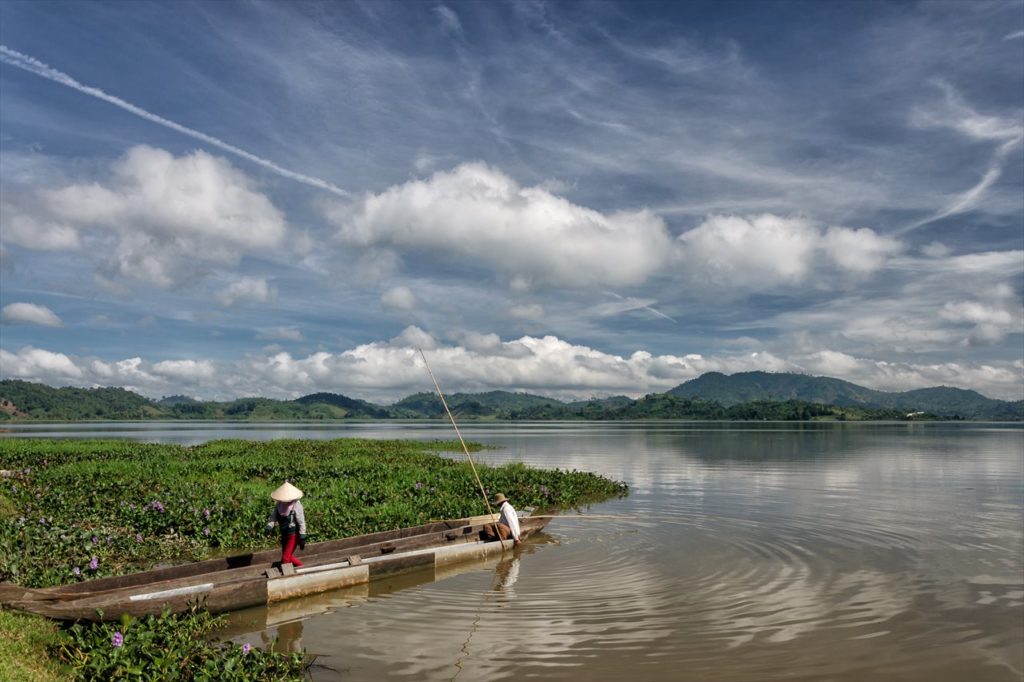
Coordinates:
465 449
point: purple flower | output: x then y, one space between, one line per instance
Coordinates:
418 485
206 513
206 531
95 563
138 537
95 540
42 520
76 571
246 648
117 640
132 506
156 506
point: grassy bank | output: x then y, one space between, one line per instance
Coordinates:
75 510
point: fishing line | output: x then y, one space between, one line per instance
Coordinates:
465 449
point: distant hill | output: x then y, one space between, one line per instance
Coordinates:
44 402
714 396
496 404
351 407
745 387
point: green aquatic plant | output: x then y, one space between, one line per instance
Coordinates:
86 509
167 647
77 510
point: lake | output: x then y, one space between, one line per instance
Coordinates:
744 551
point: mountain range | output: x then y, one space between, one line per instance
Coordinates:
746 395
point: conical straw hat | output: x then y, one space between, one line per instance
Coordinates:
286 493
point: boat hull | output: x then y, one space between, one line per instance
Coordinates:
247 580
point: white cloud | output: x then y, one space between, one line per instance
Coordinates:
30 313
36 364
41 235
398 298
185 370
247 289
936 250
480 216
734 252
165 212
385 371
861 251
413 338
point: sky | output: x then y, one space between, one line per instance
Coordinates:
571 199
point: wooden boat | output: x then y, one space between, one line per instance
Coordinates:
258 578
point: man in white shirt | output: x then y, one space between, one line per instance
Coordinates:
508 520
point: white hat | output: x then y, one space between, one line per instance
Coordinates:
286 493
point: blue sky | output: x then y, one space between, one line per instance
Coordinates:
574 199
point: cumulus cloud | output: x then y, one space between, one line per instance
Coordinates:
29 313
184 370
861 251
398 298
36 364
247 290
936 250
384 371
768 250
994 315
40 235
480 216
162 213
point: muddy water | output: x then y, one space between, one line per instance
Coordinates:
743 552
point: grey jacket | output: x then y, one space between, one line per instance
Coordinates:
294 520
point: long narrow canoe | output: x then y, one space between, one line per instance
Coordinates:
257 578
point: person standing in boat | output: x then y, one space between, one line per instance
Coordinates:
508 520
290 517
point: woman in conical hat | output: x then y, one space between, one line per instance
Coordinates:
290 517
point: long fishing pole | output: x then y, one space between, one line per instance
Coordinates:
455 426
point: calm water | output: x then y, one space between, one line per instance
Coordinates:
743 552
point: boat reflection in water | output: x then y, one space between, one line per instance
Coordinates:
279 626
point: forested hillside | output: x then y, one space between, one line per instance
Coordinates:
747 396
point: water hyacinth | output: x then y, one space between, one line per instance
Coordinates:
358 476
117 640
76 571
246 648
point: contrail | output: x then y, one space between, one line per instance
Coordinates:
33 65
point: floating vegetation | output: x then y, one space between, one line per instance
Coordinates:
81 509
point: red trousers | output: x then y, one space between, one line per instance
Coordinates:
288 547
